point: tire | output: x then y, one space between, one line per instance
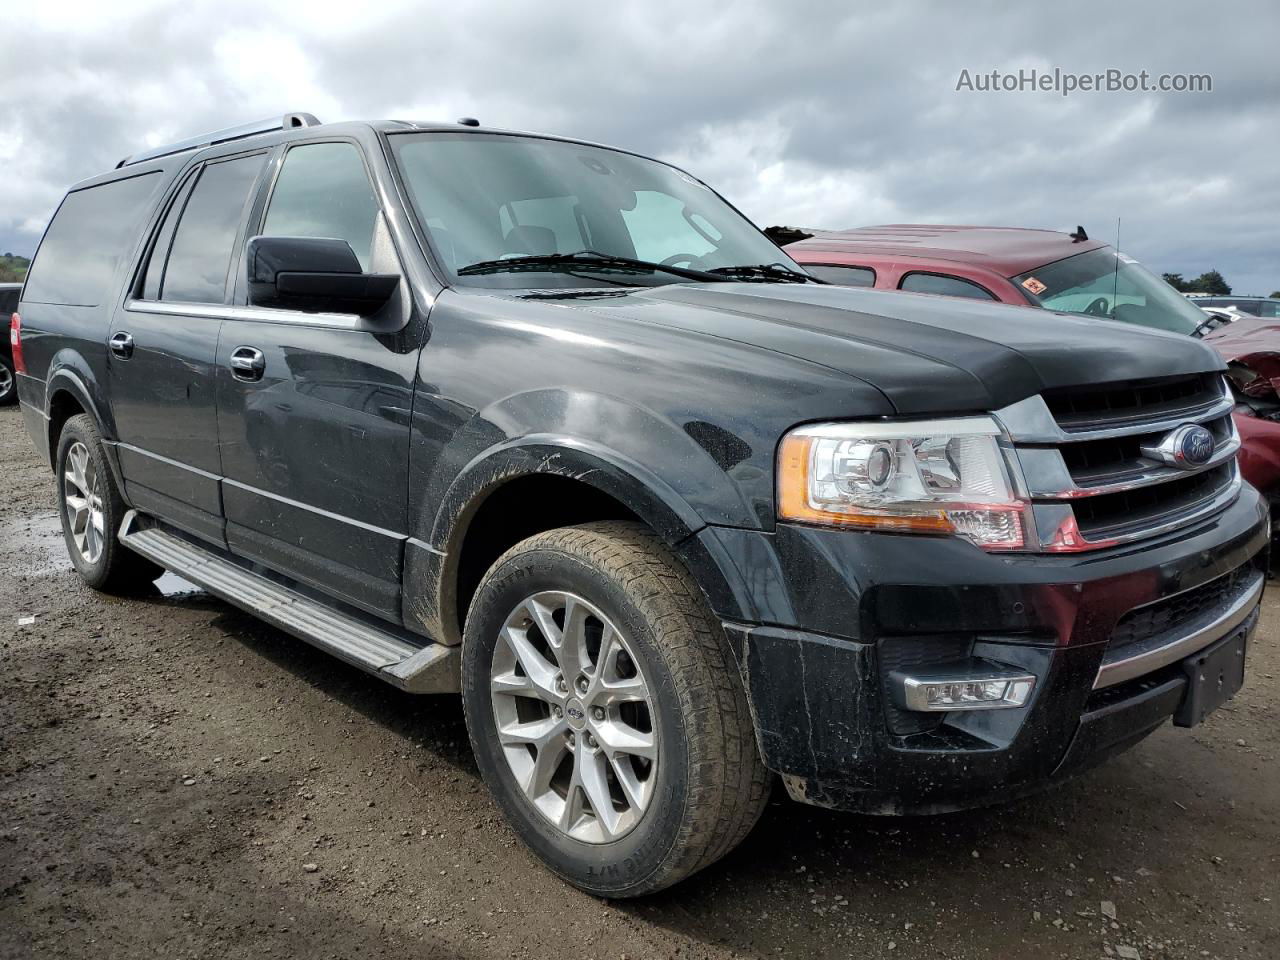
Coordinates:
90 522
624 593
8 383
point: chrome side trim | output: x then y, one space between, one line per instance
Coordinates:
1029 421
121 445
1203 631
33 408
214 311
327 514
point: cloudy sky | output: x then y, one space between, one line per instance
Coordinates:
833 114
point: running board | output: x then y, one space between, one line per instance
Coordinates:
433 668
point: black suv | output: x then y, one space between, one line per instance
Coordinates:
554 426
8 305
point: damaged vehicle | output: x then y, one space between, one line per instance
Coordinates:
553 426
1069 273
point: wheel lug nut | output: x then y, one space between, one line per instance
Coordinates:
571 738
591 741
598 713
558 712
582 684
561 686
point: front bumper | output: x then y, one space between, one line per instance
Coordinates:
840 611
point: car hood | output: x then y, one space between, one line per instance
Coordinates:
926 354
1254 344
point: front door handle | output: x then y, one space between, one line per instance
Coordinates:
121 345
247 363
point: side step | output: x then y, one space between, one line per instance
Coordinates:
433 668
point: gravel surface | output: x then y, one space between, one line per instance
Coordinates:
179 780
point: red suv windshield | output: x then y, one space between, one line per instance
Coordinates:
1103 283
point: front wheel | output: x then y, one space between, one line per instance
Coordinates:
605 711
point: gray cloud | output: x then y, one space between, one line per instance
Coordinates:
811 113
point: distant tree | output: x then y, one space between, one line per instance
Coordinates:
1175 280
1275 294
1211 282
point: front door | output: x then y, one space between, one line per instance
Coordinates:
163 344
313 413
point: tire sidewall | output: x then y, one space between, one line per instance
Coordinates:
95 574
608 868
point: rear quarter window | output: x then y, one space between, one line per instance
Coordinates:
91 231
944 285
845 276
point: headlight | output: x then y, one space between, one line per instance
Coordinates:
937 476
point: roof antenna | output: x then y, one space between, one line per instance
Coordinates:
1079 236
1115 278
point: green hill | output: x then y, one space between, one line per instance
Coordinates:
13 267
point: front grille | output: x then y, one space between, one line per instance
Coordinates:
1092 462
1155 619
1090 483
1102 516
1080 407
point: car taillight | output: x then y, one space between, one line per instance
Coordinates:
15 343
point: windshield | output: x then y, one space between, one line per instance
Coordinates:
1103 283
489 197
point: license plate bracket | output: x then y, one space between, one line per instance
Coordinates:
1214 675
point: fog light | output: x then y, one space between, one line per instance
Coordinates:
966 690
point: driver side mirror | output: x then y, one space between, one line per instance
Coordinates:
314 274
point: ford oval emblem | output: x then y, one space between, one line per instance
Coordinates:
1188 446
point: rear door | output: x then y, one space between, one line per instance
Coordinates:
163 344
315 437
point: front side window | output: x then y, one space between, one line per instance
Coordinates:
89 234
200 256
1103 283
845 276
323 191
944 286
486 197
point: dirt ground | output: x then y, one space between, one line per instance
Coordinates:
179 780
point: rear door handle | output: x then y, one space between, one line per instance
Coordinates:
247 363
121 345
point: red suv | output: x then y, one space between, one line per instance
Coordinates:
1068 273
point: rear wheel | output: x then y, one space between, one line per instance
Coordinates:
8 383
91 510
606 712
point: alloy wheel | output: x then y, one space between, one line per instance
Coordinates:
6 382
575 717
82 499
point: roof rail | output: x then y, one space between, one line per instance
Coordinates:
288 121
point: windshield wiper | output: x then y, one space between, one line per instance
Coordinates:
766 272
581 260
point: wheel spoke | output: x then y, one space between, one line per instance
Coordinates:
591 766
613 692
536 733
571 813
541 673
572 649
617 737
625 774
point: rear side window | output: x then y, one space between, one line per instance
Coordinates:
89 234
944 286
323 191
200 257
8 302
845 276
